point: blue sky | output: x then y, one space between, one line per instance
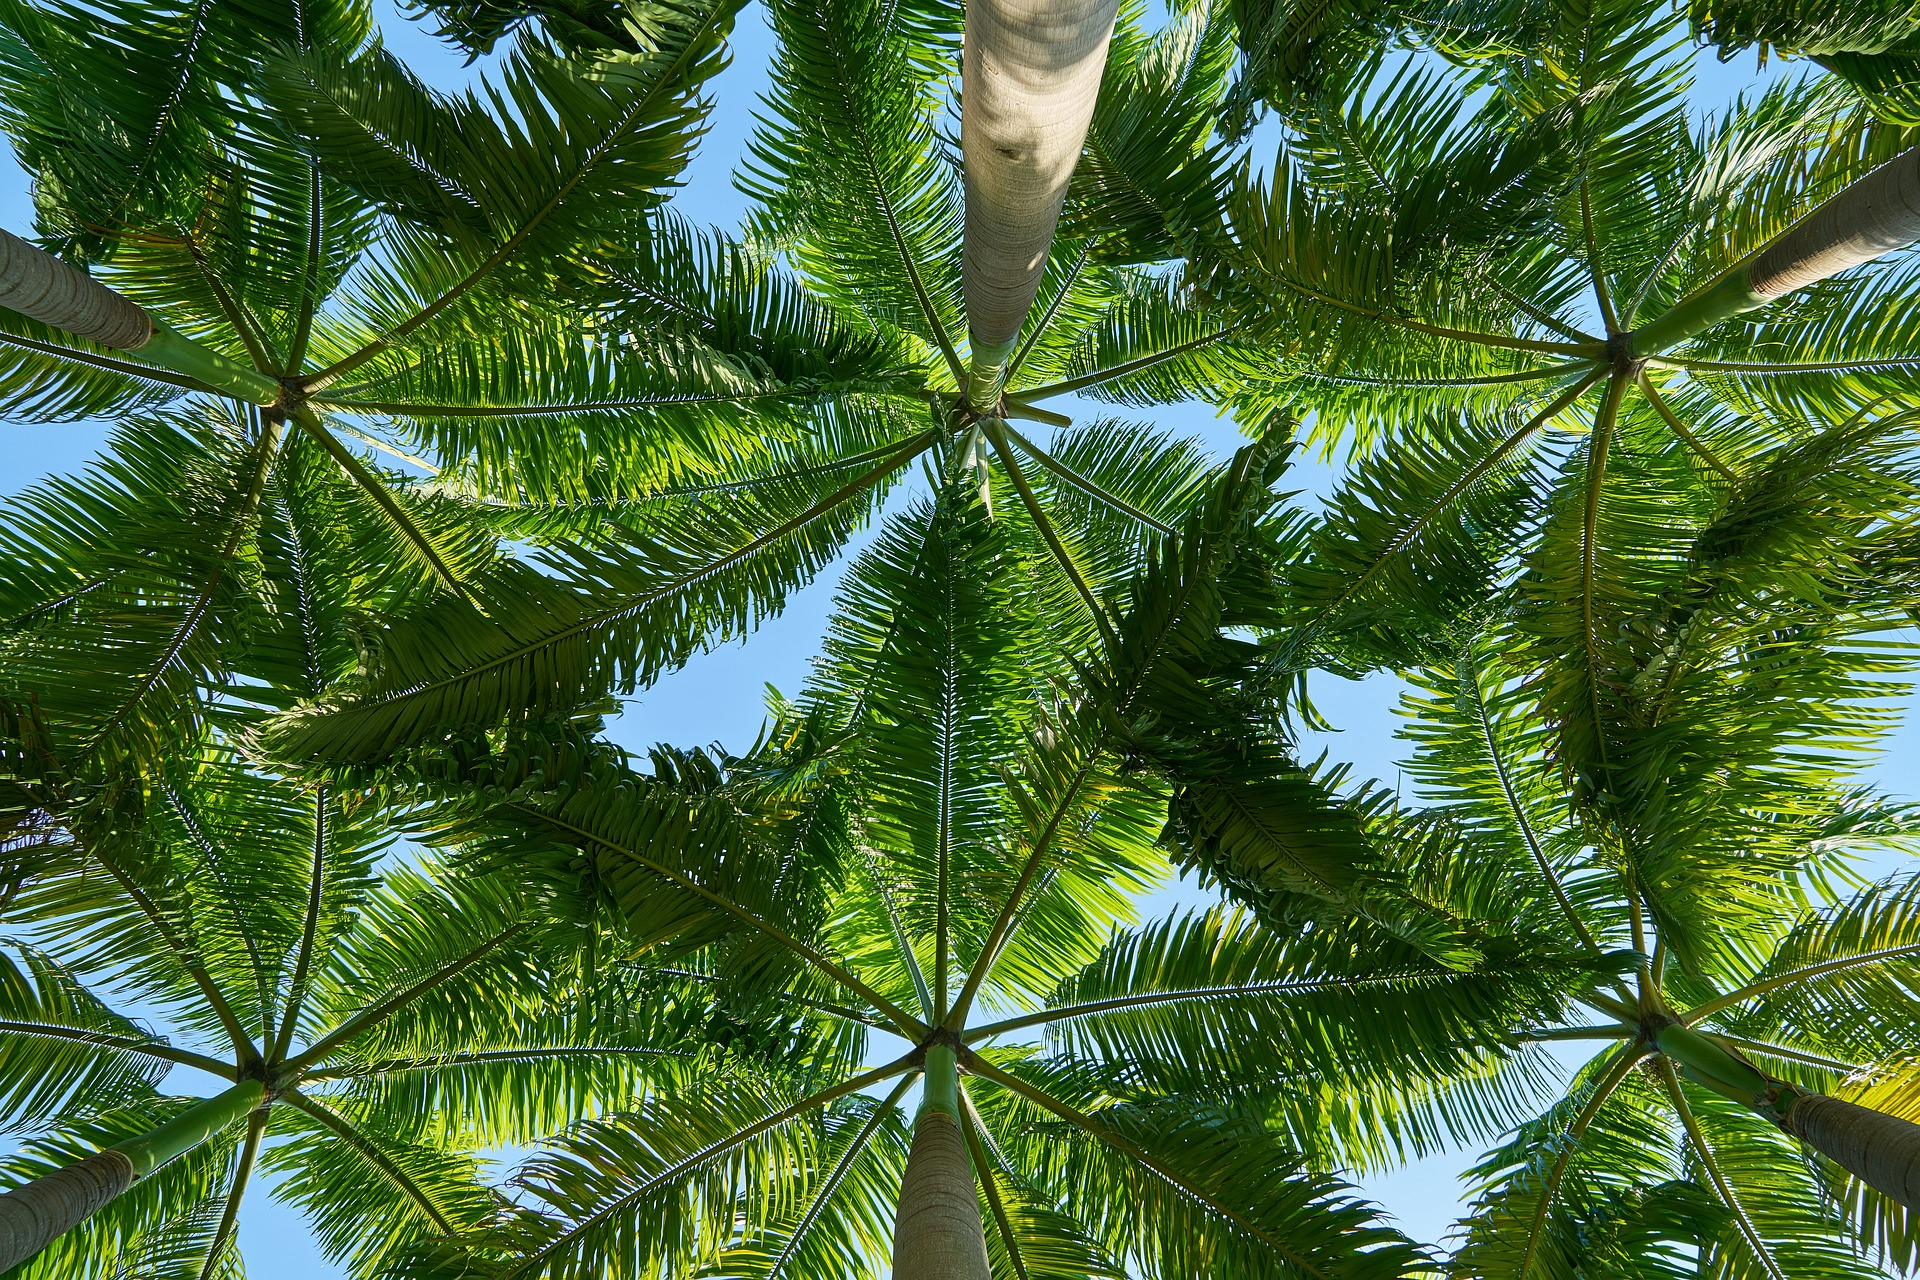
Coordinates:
718 696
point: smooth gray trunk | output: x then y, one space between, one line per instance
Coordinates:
1873 216
41 287
1031 72
936 1232
1865 219
1883 1151
35 1215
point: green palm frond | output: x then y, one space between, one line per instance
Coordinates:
1150 170
836 1222
738 300
123 127
1775 1220
1185 1183
637 842
1580 1161
658 1188
113 634
1416 533
584 28
1214 997
1872 48
1121 486
1151 343
586 623
1642 577
1834 979
1675 819
516 174
847 171
65 1050
368 1190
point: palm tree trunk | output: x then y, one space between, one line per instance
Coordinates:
1030 73
1882 1151
936 1230
1869 217
42 287
35 1215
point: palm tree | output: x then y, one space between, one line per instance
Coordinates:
388 1022
1031 75
1472 270
857 192
1682 797
931 851
315 288
683 515
376 1027
485 287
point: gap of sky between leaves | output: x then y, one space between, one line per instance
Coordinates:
719 696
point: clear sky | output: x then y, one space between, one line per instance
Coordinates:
718 696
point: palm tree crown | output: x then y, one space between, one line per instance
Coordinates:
1633 494
929 849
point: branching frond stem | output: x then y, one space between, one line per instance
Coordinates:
242 1174
997 935
838 1174
533 1263
997 435
1679 428
369 1151
1084 485
1792 976
1053 309
668 77
383 498
1152 999
1137 365
1627 1058
373 1015
1153 1164
119 1044
1704 1153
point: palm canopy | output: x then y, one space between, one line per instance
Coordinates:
260 206
856 191
380 1021
1686 791
932 852
688 433
484 286
1463 271
1471 264
392 1022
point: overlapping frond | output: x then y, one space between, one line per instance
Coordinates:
850 177
584 623
1179 1184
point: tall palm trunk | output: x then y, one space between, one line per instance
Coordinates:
1031 71
936 1230
41 287
35 1215
1869 217
1882 1151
